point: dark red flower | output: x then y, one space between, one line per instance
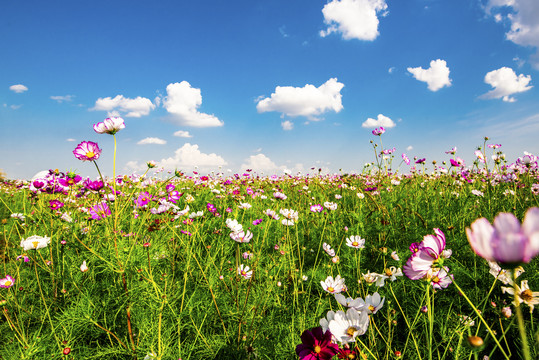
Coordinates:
316 345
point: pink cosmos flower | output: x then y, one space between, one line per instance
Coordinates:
87 151
427 256
55 204
70 180
143 199
109 126
405 159
379 131
7 282
507 242
100 211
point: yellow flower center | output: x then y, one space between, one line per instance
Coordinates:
243 272
331 289
389 272
436 279
526 295
351 331
8 283
355 243
317 349
371 308
35 243
90 154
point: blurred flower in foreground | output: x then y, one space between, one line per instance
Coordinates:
35 242
87 151
316 345
507 242
110 126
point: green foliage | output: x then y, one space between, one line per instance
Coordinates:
182 297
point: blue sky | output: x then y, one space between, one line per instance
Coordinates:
268 85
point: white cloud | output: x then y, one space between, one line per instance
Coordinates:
189 156
15 107
182 101
436 76
71 140
381 121
308 101
183 134
524 21
287 125
505 83
410 147
61 99
354 19
152 140
391 70
136 107
19 88
262 164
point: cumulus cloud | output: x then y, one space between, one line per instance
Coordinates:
182 101
505 83
524 20
436 76
380 121
183 134
262 164
287 125
308 101
136 107
61 99
189 156
409 148
152 140
70 140
354 19
19 88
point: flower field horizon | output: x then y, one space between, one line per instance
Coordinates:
437 263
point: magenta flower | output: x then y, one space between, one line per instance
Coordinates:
379 131
143 199
420 161
100 211
316 345
70 180
405 159
109 126
507 242
55 204
87 151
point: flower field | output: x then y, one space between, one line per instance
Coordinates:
435 262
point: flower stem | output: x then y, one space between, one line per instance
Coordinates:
520 318
114 186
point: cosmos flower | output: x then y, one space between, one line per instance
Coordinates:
356 242
506 241
109 126
35 242
524 294
55 204
378 131
347 326
233 225
348 302
426 256
69 180
143 199
316 345
327 248
7 282
87 151
330 205
374 303
245 271
241 236
333 286
406 159
316 208
100 211
440 279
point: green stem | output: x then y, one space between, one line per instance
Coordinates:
520 318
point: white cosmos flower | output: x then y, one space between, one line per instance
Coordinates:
244 206
327 248
35 242
234 226
357 304
371 278
333 286
289 214
241 237
347 326
245 271
356 242
330 205
393 272
374 303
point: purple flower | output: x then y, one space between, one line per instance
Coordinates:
317 208
316 345
143 199
420 161
173 196
257 222
87 151
379 131
70 180
93 185
507 242
109 126
100 211
405 159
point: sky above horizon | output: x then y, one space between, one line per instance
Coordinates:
265 85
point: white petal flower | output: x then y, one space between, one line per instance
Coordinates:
35 242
